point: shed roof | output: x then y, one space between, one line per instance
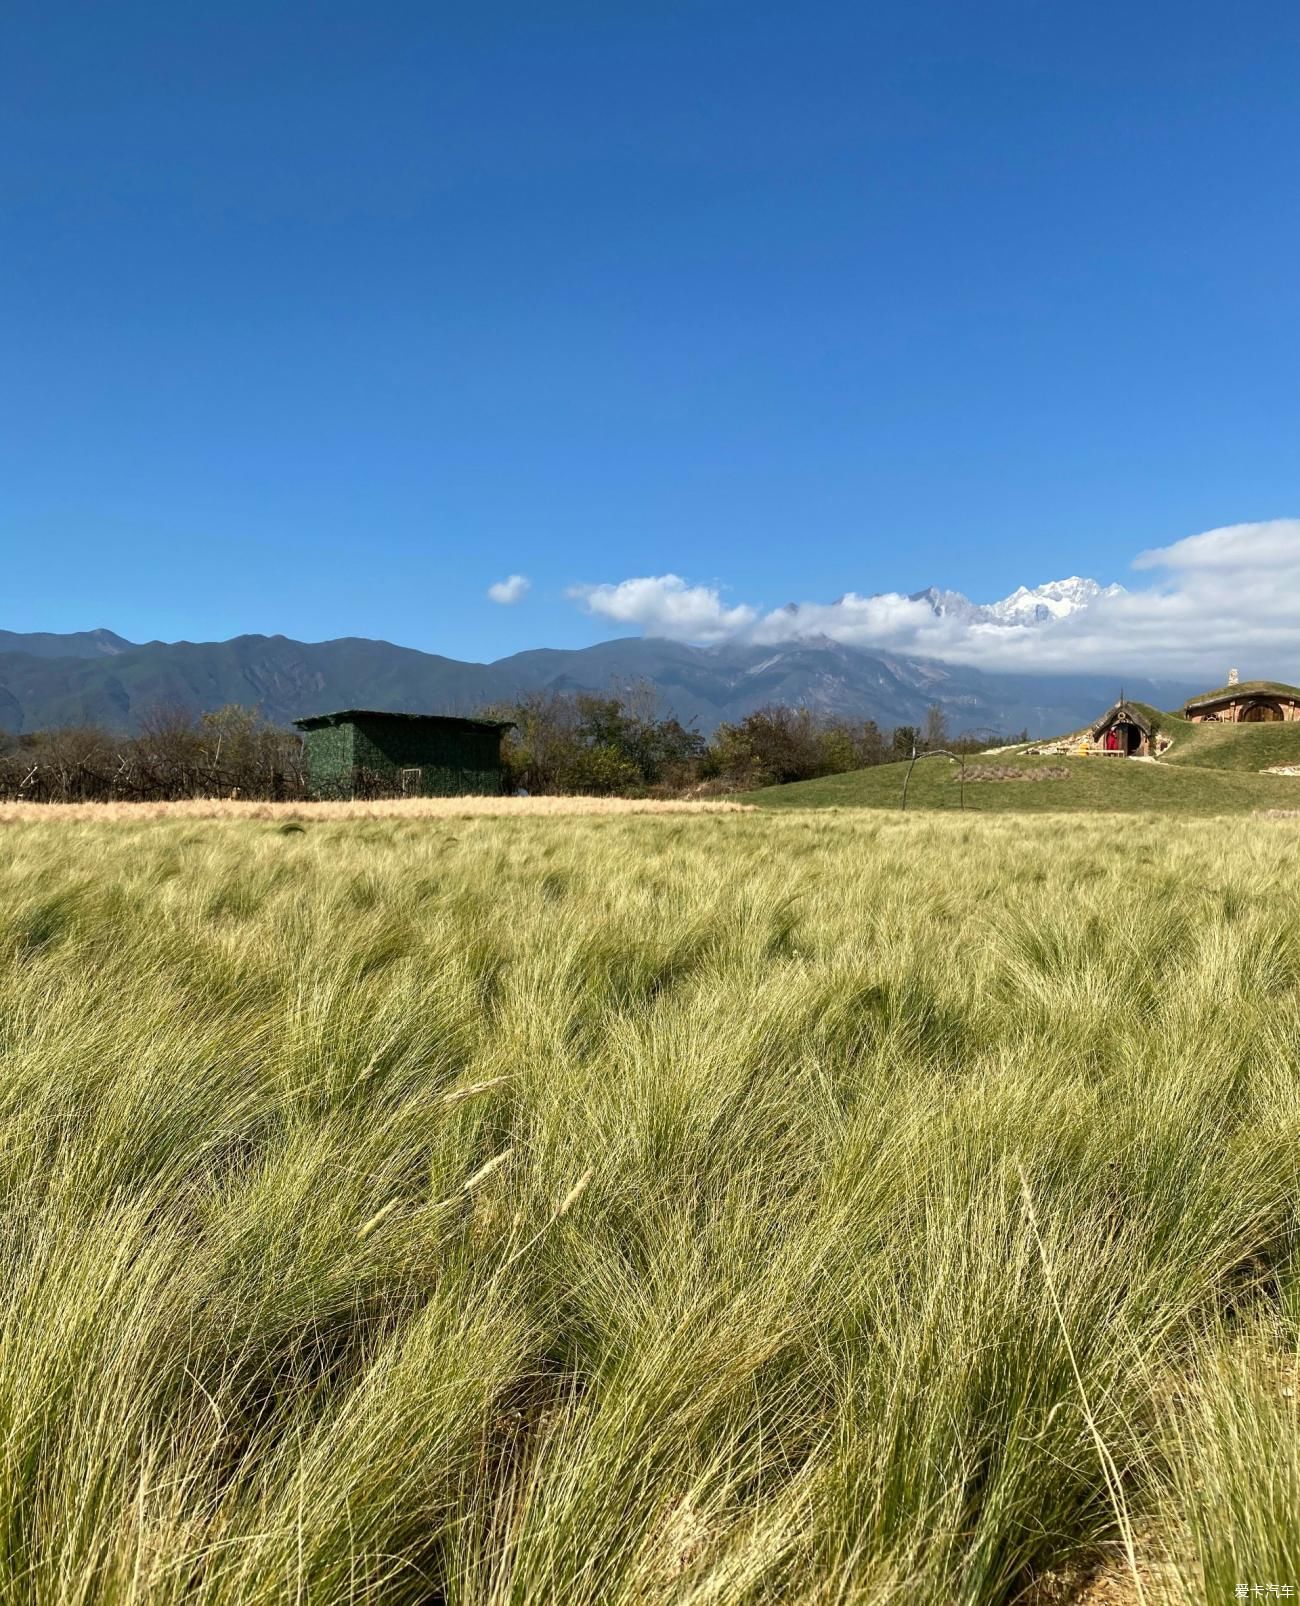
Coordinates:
1245 688
1129 713
350 716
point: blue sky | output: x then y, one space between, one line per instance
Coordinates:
324 318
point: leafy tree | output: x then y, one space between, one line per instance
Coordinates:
603 744
770 747
777 744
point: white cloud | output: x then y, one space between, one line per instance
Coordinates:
514 588
1234 546
664 605
1226 597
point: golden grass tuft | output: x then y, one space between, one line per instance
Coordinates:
676 1206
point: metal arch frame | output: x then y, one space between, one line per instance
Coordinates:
936 752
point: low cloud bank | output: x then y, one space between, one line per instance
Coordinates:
1227 596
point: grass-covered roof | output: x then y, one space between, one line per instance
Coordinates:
1139 714
1245 688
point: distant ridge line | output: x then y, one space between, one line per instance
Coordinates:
99 677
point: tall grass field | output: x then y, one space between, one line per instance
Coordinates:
734 1207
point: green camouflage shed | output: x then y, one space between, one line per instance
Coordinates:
364 752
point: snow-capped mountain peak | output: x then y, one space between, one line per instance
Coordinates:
1036 605
948 604
1057 599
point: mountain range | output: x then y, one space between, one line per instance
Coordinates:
1036 605
96 676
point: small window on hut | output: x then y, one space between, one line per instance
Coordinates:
410 781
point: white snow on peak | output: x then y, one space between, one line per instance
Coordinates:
948 604
1056 599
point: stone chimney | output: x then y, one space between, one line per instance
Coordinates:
1232 677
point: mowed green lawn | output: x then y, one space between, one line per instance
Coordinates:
811 1207
1210 770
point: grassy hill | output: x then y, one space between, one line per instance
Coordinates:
1210 769
1249 748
